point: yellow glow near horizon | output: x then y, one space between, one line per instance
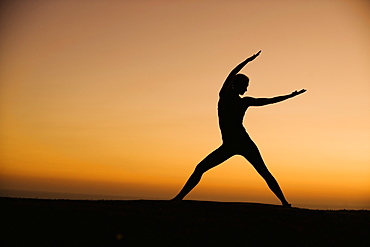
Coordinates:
120 97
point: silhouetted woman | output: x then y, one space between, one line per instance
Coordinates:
236 141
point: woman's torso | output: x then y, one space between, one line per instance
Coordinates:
231 111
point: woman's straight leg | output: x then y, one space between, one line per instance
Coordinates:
252 154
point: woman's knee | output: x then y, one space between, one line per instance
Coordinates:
200 169
262 170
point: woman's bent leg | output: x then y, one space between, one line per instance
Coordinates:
213 159
253 155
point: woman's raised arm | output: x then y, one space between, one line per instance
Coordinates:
227 84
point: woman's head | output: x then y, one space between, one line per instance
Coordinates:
240 83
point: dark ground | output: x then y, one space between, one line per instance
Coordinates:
36 222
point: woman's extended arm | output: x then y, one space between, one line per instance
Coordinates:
266 101
230 77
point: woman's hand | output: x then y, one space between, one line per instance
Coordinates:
253 57
295 93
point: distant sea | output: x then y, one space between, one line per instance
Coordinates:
69 196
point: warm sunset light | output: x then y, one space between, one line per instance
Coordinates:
118 99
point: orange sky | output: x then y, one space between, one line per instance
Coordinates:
119 98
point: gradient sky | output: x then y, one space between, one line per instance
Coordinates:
119 98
